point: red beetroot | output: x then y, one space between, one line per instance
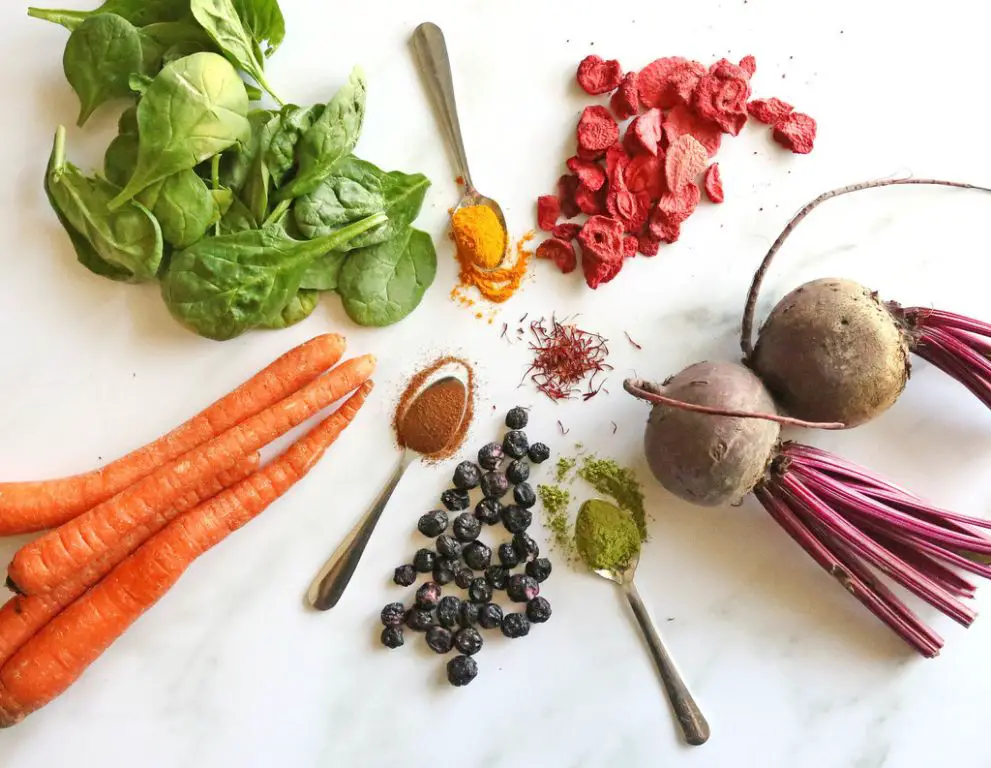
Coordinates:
645 173
548 211
646 131
667 82
596 75
561 252
681 121
769 111
625 102
601 240
714 184
591 202
588 172
567 186
749 65
796 132
721 96
684 163
597 130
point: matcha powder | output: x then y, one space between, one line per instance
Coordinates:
620 484
555 500
606 536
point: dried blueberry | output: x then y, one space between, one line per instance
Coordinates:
448 546
525 546
420 621
518 471
508 555
455 500
538 610
477 556
539 569
524 496
427 596
468 641
515 444
516 418
522 589
516 519
480 591
463 577
539 453
467 475
424 560
491 456
494 485
433 524
393 615
490 616
447 611
461 670
439 640
444 570
467 527
497 576
392 637
489 511
515 625
404 575
467 614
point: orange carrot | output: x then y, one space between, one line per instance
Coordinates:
34 506
21 616
60 652
52 558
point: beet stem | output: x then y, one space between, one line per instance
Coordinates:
938 318
746 334
932 568
832 463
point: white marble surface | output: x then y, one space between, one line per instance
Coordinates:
230 670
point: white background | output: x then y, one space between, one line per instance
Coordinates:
229 669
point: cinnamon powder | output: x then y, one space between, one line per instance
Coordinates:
434 422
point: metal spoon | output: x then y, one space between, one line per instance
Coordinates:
435 66
690 717
329 585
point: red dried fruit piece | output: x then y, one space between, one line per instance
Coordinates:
646 131
590 173
589 154
645 173
561 252
566 230
589 201
669 81
602 250
630 246
671 210
714 184
721 96
631 208
796 132
625 103
617 161
596 129
749 65
648 244
686 159
769 111
597 75
548 211
681 121
567 186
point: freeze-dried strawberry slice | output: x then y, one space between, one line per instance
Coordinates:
597 75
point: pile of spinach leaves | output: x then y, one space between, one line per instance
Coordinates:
243 215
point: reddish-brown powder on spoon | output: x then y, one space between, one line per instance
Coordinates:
434 421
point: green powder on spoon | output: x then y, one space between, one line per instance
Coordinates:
607 538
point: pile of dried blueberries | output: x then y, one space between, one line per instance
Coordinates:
459 557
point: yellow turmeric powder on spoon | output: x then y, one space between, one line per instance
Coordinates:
479 235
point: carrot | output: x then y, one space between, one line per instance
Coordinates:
22 616
34 506
52 558
59 653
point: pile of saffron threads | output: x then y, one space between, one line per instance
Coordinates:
566 360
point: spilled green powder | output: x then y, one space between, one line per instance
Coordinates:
555 501
606 536
620 484
564 466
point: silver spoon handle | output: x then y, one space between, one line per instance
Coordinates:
693 722
329 585
435 65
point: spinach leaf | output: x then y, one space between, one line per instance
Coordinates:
120 158
138 83
299 308
254 193
293 123
124 244
331 137
382 284
195 108
264 20
357 189
220 20
237 163
128 120
180 32
323 274
139 12
254 93
101 54
184 207
222 286
237 218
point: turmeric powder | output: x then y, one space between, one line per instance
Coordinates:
495 285
479 235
